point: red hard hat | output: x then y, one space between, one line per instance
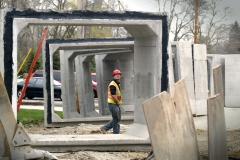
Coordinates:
116 71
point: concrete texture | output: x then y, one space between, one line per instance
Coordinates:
85 90
232 79
200 78
232 120
169 122
183 68
217 136
107 142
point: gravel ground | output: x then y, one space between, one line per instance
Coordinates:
233 142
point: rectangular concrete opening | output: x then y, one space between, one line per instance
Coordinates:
150 60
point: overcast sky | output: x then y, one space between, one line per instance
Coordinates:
151 6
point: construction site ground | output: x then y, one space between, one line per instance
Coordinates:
233 138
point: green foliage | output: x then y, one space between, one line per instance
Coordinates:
234 32
71 5
98 32
56 60
33 116
28 63
93 65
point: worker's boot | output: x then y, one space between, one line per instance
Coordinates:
103 130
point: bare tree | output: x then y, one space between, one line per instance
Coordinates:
19 4
116 6
213 25
181 16
60 5
210 20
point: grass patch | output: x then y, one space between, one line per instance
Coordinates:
33 116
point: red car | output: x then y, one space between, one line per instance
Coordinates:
57 77
94 83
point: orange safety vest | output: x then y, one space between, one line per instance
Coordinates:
118 92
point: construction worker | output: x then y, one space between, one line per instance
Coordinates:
114 102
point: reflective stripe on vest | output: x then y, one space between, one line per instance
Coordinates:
118 93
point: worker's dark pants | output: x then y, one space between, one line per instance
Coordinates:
116 118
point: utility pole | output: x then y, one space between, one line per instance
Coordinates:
196 23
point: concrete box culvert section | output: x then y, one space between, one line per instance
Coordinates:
144 27
83 85
83 75
150 33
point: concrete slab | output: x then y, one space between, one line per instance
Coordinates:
169 122
232 120
200 84
217 136
97 142
232 79
200 78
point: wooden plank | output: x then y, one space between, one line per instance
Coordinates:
217 80
217 138
170 125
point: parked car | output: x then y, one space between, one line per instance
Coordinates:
57 77
94 77
35 88
19 78
94 84
56 74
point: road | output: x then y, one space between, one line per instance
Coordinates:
38 103
57 101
